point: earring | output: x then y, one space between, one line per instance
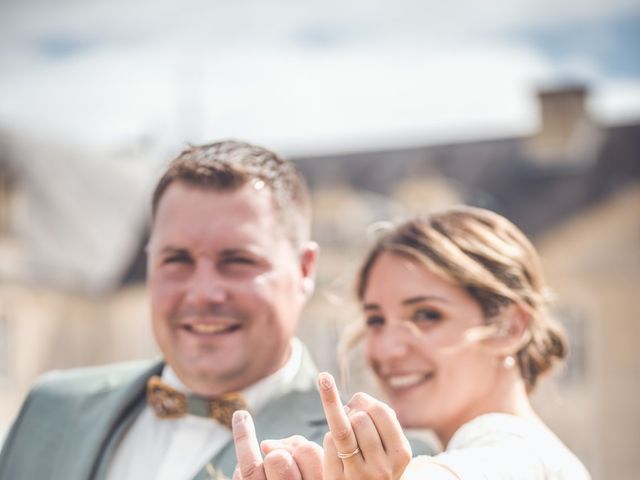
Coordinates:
509 362
308 286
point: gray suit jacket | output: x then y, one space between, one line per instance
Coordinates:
72 421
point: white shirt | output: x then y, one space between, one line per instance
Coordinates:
177 449
499 446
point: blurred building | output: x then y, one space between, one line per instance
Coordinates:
573 187
71 223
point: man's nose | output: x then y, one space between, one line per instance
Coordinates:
206 285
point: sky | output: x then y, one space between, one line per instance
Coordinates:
307 77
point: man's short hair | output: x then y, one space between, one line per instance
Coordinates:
229 165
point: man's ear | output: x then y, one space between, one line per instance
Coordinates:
512 330
308 264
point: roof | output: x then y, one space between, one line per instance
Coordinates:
78 216
86 231
500 174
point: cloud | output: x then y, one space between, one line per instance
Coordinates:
304 76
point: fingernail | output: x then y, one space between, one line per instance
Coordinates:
239 417
325 381
346 410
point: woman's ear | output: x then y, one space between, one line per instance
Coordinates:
512 330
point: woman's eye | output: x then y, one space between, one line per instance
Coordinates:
374 321
426 314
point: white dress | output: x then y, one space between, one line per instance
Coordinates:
499 446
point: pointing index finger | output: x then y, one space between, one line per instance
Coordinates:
339 424
247 448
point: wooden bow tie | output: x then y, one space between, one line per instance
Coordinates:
167 402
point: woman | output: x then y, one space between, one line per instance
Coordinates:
457 334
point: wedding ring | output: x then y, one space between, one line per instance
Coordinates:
342 456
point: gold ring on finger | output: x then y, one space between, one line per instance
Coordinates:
342 456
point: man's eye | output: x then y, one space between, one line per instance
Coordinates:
426 314
239 261
177 259
373 321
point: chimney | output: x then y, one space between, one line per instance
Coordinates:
567 134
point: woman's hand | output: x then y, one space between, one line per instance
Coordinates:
293 458
365 439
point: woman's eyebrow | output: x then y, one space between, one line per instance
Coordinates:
423 298
371 306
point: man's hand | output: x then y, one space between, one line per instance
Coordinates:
293 458
365 439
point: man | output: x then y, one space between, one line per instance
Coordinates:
230 267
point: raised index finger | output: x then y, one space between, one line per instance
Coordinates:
247 448
339 424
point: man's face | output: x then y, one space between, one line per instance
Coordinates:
225 285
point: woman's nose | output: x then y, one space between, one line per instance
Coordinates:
392 344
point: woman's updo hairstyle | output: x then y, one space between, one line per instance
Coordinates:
493 260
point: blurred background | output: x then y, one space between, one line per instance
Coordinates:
528 107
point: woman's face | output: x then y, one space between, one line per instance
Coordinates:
420 344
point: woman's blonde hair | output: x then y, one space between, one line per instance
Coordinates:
493 261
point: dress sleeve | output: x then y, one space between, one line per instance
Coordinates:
481 451
509 461
500 447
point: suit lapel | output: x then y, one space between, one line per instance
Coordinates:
97 420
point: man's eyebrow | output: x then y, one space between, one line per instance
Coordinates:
371 306
234 251
250 250
170 249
